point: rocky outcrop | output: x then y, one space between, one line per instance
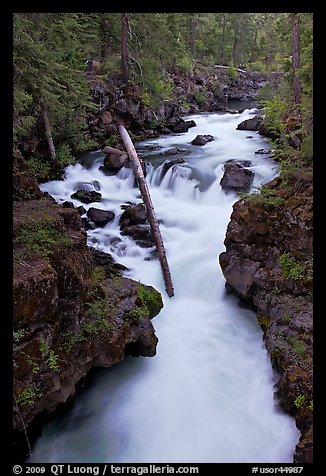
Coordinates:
168 165
25 185
73 310
202 139
100 217
236 177
134 223
87 196
251 124
268 264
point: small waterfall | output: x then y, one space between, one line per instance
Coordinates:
207 396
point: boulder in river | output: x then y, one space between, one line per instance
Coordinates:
183 126
202 139
263 151
170 164
141 234
114 162
100 217
87 196
68 204
236 177
250 124
133 215
173 151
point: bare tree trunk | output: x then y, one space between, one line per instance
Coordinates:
193 28
48 131
124 47
223 39
142 184
296 58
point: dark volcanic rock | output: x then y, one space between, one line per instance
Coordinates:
133 222
87 196
183 126
236 177
250 124
268 264
72 311
170 164
100 217
133 215
173 151
202 139
67 204
141 234
114 162
263 151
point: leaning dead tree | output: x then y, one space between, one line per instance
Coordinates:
143 187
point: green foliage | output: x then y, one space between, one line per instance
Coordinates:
110 65
286 318
40 167
48 52
257 66
97 308
42 238
300 400
155 88
264 196
298 346
18 335
52 358
64 155
98 275
274 110
291 269
232 72
311 405
26 396
200 97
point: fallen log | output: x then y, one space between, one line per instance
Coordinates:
143 187
112 150
227 67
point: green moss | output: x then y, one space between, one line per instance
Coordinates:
97 326
266 198
298 346
151 299
286 318
263 322
291 269
200 97
299 401
98 275
42 237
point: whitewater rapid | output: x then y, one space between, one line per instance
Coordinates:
208 394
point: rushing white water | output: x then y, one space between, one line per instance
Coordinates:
207 396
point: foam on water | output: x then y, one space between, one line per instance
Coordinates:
207 396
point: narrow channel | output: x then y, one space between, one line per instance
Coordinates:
207 396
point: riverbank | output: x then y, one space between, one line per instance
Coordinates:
208 346
268 263
73 309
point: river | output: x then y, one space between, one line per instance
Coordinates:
207 396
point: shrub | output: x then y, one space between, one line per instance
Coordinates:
291 269
232 72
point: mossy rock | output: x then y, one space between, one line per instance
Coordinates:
151 298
